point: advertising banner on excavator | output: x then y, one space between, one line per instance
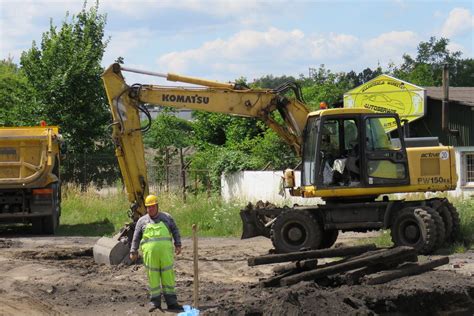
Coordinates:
386 94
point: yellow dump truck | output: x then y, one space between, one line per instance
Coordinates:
30 190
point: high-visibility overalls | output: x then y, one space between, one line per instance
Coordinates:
157 248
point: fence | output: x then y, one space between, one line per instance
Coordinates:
164 172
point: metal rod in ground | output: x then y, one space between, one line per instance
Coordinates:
183 174
388 255
413 269
196 268
311 254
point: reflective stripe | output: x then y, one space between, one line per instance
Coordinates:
155 289
155 239
169 292
159 269
166 268
152 269
167 289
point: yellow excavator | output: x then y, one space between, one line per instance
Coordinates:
348 159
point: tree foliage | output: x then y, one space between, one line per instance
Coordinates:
64 71
426 68
17 98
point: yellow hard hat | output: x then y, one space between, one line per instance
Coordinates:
151 200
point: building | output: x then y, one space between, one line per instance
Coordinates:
460 118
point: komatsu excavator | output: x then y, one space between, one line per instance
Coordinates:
351 159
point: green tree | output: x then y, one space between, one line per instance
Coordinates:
65 74
168 130
426 68
17 98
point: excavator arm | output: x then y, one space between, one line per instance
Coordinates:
126 102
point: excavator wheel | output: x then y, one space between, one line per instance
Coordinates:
295 230
329 238
456 230
445 214
414 227
440 227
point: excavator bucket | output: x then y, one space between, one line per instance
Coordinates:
249 226
114 250
254 224
111 251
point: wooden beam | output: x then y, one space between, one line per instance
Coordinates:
298 265
388 255
311 254
412 269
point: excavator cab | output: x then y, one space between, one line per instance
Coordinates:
353 150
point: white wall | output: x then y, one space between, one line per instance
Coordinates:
252 186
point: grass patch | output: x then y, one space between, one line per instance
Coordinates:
213 216
466 214
91 213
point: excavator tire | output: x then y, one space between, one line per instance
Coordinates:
445 214
329 238
414 227
296 230
440 227
456 231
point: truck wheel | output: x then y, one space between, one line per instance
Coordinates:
416 228
37 226
50 223
440 227
295 230
329 238
456 231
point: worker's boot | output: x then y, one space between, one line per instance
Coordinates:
154 304
172 303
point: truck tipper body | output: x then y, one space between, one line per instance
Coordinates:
30 188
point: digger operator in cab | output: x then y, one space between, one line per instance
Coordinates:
154 233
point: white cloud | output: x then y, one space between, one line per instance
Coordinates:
124 43
275 51
459 21
333 46
20 20
455 47
390 46
244 48
240 9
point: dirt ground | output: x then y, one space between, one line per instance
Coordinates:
57 276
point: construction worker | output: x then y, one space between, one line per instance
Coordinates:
153 233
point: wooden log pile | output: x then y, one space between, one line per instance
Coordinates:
354 265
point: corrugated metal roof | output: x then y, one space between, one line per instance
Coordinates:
464 95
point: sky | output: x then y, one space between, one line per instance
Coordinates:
225 40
